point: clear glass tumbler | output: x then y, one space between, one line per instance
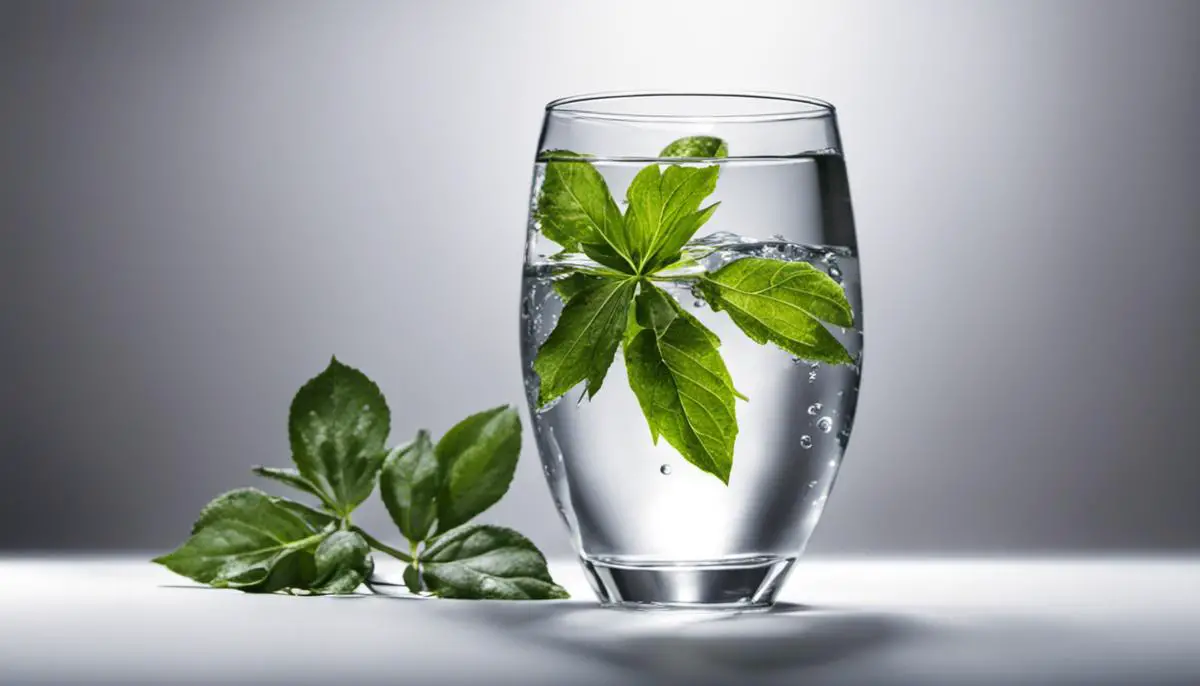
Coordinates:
691 329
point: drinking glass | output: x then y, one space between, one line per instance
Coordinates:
652 527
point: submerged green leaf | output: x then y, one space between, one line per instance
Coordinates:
493 562
682 384
664 212
574 284
585 340
574 206
783 303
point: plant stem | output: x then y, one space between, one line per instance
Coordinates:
383 547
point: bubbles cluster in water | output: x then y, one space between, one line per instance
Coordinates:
814 409
825 424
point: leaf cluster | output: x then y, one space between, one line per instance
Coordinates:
338 427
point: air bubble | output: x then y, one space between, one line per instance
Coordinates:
665 470
825 424
366 408
697 303
814 409
806 441
812 484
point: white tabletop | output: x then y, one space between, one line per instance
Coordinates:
863 621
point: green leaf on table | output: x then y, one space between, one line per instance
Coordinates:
783 303
477 458
492 562
295 569
574 206
696 146
337 426
240 539
585 340
343 562
409 483
664 211
682 384
293 478
412 579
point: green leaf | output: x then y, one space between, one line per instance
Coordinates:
412 579
574 205
239 540
477 458
314 518
295 569
480 561
696 146
337 426
574 284
664 211
682 384
585 340
291 477
783 303
409 484
343 562
609 256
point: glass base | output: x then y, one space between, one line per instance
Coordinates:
721 585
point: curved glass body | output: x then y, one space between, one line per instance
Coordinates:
655 524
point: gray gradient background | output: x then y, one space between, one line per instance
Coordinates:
200 202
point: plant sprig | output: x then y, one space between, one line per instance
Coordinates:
338 427
672 360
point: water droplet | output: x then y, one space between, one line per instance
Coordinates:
825 424
665 470
814 409
806 441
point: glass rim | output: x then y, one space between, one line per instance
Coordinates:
795 106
